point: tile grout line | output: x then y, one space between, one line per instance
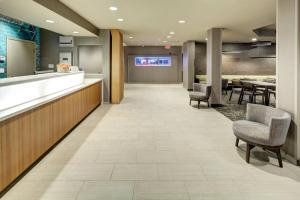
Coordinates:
80 189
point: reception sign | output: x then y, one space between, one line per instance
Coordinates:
161 61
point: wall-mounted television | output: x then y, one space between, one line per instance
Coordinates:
153 61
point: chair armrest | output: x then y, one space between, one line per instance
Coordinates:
278 130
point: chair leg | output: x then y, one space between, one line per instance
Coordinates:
279 157
251 98
198 104
208 104
249 147
237 142
190 101
230 95
241 98
248 153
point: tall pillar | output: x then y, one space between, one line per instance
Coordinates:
288 71
188 64
105 33
214 63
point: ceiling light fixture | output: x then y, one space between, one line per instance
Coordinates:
75 32
169 36
113 8
206 39
181 21
172 33
120 20
254 39
50 21
165 41
130 37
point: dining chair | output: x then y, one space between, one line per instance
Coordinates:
250 90
224 85
236 88
273 92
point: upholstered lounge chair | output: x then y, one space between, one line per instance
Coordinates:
265 127
201 92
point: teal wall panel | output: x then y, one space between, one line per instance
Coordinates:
11 28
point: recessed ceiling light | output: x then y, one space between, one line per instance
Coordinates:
130 37
254 39
172 33
113 8
206 39
120 20
169 36
50 21
181 21
165 41
75 32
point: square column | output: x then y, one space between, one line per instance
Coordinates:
188 64
214 64
105 33
288 71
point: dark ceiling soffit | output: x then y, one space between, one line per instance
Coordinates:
64 11
266 31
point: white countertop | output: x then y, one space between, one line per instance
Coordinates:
11 112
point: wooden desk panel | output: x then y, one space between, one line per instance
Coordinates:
26 137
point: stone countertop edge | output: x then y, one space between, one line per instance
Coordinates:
30 78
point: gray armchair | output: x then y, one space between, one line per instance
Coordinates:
201 92
265 127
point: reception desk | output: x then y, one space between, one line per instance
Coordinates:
31 124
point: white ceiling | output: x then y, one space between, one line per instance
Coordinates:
150 21
33 13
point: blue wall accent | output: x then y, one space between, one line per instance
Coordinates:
16 29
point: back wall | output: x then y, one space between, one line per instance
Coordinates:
154 75
236 64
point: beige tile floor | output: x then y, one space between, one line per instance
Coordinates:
154 146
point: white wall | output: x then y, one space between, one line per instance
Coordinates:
90 59
288 70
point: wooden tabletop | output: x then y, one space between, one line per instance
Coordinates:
261 83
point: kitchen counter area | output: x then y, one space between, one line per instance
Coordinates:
36 112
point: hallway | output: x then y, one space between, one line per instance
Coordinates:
154 146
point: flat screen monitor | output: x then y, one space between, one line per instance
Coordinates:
153 61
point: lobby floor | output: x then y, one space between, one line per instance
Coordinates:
154 146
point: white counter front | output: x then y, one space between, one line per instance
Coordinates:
20 94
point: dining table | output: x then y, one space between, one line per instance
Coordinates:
262 84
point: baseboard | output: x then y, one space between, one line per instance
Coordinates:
216 105
290 158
